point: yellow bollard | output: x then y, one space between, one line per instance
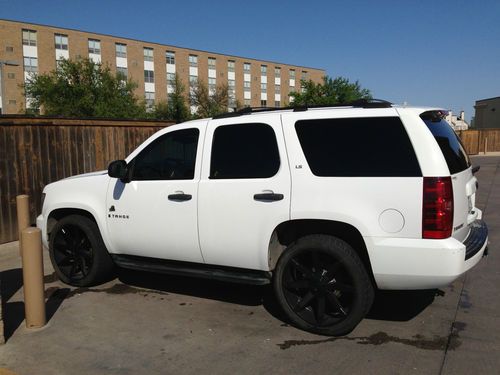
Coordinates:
32 259
23 216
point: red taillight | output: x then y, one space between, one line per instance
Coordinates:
437 212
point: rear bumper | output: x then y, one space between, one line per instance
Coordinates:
401 263
477 237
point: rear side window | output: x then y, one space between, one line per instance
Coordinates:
358 147
451 146
244 151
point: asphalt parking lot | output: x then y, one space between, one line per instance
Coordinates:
144 323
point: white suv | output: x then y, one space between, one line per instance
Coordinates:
326 204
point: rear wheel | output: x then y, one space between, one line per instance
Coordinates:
78 253
322 285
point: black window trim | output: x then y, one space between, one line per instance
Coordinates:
297 122
280 165
436 117
133 161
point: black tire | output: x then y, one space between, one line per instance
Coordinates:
322 285
78 253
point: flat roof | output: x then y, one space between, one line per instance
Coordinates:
160 44
483 100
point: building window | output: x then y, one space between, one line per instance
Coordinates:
150 99
193 80
230 65
247 103
247 85
121 50
277 72
292 73
231 93
263 103
231 83
61 41
170 56
211 62
122 71
149 76
170 77
292 89
148 54
246 67
263 70
30 64
263 87
212 85
95 46
29 37
277 104
277 89
193 60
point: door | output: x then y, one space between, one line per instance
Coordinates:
244 192
154 215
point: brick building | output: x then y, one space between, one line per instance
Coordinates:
37 48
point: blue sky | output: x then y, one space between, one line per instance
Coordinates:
439 53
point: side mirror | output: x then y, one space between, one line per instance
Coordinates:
118 169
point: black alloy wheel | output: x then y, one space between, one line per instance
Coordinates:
318 288
78 253
322 285
73 252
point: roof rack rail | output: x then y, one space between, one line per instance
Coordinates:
360 103
247 111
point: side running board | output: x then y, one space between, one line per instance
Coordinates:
229 274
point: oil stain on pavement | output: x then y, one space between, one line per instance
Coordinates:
418 341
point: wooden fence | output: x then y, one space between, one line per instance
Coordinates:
37 151
480 140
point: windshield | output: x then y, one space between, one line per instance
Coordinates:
451 146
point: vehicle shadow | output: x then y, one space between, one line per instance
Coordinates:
388 305
401 305
240 294
13 311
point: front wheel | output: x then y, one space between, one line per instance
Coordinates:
78 253
322 285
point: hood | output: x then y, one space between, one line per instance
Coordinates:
98 173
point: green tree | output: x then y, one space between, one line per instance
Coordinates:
209 104
175 108
83 88
332 91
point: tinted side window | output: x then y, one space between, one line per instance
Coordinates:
170 157
451 146
358 147
244 151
